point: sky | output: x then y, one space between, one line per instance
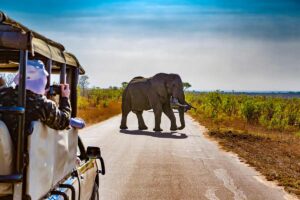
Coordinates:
251 45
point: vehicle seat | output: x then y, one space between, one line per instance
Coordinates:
6 157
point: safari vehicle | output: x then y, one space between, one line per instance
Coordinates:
48 164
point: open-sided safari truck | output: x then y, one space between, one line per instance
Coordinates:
47 164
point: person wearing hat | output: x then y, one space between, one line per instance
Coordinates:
38 107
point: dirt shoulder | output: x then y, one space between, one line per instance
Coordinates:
274 154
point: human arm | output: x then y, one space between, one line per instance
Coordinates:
57 117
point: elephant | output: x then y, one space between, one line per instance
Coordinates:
157 93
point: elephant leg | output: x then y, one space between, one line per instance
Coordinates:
170 114
157 115
124 119
142 125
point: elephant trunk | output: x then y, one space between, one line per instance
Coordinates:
189 106
178 99
181 110
177 103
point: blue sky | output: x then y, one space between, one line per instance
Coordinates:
213 44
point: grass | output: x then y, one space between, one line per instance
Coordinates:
93 115
273 151
272 113
241 125
96 104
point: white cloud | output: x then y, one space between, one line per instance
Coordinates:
210 48
208 62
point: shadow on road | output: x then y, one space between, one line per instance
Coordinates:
155 134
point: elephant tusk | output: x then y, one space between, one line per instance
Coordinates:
181 105
176 102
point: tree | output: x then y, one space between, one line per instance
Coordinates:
83 83
124 85
186 85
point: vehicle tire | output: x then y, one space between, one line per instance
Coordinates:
95 195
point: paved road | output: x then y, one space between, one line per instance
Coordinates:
179 165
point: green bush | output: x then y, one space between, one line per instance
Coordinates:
98 97
82 102
270 112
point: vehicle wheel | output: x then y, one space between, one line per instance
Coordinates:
95 195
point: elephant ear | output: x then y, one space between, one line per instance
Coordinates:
172 82
169 85
159 85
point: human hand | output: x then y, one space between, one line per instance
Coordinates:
65 90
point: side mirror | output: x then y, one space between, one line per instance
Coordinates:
95 153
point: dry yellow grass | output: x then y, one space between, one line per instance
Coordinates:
93 115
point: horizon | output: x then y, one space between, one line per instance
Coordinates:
214 45
220 90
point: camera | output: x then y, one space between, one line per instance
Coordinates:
54 90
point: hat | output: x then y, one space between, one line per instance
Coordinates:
36 77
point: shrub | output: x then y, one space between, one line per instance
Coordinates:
92 102
269 112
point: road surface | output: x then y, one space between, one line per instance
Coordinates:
172 165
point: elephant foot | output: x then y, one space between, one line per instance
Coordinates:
123 127
143 128
157 129
173 128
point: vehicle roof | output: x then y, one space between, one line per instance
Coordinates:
15 36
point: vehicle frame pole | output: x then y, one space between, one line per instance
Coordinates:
63 74
21 103
49 70
20 155
74 82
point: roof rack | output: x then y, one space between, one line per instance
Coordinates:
15 36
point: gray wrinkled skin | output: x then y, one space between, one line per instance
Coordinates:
153 93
